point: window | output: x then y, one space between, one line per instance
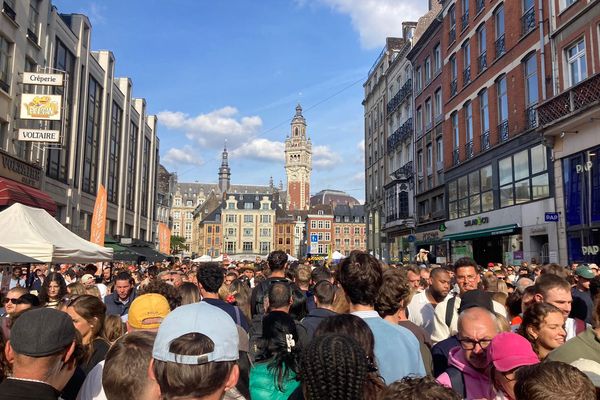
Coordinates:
92 132
469 122
265 247
437 57
230 247
439 152
313 224
114 150
438 103
523 176
248 206
455 132
418 78
531 81
5 64
248 218
33 20
337 230
188 226
357 231
429 159
346 230
419 120
471 194
265 232
566 3
484 113
499 21
176 215
465 8
576 63
420 163
502 99
146 176
247 246
132 167
327 224
265 206
209 229
248 231
230 218
265 219
428 113
427 69
466 48
231 206
177 202
452 21
482 47
231 231
453 67
320 224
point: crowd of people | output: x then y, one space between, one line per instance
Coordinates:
358 329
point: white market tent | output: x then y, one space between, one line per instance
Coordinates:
291 258
33 233
336 255
204 258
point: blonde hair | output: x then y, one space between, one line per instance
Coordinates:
113 328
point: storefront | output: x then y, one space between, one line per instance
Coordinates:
400 247
433 241
581 184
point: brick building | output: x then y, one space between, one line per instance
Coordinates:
349 229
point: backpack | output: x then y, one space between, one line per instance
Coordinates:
450 311
457 381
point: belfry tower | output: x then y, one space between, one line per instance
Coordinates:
224 172
298 164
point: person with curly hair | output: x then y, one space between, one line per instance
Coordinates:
333 367
53 289
544 326
163 288
273 376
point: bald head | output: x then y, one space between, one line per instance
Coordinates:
476 315
476 329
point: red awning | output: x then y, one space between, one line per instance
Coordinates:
14 192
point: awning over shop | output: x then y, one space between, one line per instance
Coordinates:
121 253
148 253
14 192
495 231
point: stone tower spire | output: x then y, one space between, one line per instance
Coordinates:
298 164
224 171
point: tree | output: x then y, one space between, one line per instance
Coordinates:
177 244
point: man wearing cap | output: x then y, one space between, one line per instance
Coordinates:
583 305
467 277
145 314
195 353
467 370
40 350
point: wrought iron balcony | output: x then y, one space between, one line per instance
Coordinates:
574 99
485 140
405 172
469 149
404 132
465 20
503 131
452 34
528 21
531 116
500 46
482 61
453 87
466 76
32 36
8 11
399 97
455 157
479 5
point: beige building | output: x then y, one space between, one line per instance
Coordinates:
106 135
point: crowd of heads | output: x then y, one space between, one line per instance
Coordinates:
275 329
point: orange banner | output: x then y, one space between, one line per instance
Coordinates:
164 238
99 218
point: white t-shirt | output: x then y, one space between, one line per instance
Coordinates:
421 312
92 386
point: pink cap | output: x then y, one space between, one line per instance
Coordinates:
509 351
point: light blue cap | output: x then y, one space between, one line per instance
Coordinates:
202 318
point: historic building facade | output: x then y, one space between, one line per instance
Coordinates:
298 164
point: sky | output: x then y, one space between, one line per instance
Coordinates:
234 70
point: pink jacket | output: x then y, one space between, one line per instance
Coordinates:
478 384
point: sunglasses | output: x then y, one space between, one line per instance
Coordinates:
69 300
14 301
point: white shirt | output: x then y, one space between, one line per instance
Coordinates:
571 328
92 386
421 312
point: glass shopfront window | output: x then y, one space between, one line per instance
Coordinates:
471 194
523 176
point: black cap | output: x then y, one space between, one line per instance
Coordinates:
476 298
42 332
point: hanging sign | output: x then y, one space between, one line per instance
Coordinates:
36 78
39 135
37 106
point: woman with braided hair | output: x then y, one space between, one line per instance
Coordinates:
273 376
333 367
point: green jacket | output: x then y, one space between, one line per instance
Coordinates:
263 385
585 345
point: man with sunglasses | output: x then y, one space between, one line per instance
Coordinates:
466 373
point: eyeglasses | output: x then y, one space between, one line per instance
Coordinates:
69 300
14 301
469 344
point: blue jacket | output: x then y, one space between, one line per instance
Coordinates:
314 318
114 306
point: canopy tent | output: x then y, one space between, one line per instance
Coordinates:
204 258
291 258
219 259
13 257
148 253
336 255
121 253
35 233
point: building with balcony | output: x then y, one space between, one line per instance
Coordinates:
428 179
106 135
380 101
495 163
568 120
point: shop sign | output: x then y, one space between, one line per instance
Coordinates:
590 250
35 78
580 168
39 135
551 217
20 171
442 227
518 255
477 221
35 106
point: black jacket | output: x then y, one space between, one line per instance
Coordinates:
314 318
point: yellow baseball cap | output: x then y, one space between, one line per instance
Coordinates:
148 306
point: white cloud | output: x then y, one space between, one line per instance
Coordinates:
260 149
184 156
377 19
213 128
359 177
324 157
